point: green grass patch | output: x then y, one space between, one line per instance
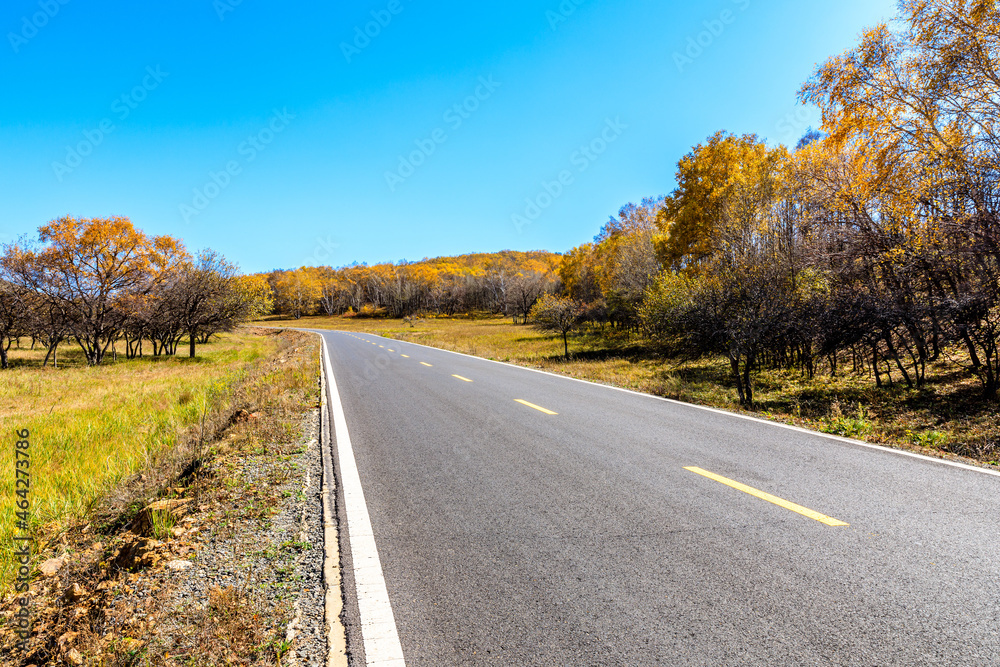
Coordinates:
91 428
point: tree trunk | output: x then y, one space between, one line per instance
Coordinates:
990 383
193 339
734 364
747 384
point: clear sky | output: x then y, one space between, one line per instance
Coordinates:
281 134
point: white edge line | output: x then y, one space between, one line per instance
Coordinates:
378 625
336 634
790 427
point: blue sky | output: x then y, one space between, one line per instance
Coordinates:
281 134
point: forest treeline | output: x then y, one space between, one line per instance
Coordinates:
873 243
98 281
507 282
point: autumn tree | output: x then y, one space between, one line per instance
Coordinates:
906 200
725 205
204 298
89 267
726 239
48 322
558 314
579 274
253 299
296 292
524 291
13 315
738 317
626 259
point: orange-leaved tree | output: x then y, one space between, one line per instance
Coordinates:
91 268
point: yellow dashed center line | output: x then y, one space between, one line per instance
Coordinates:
535 407
392 350
424 363
780 502
405 356
462 378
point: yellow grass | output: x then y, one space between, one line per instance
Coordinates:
92 427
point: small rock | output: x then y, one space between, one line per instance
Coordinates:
176 531
179 565
50 567
73 593
150 559
73 657
138 554
66 640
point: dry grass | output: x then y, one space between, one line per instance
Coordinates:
93 428
947 417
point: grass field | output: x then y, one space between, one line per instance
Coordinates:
91 428
947 417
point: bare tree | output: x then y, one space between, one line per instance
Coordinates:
13 316
559 314
523 291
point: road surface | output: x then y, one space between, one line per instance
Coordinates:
526 519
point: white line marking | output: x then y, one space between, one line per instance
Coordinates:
336 639
378 625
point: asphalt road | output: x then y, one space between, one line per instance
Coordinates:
511 536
